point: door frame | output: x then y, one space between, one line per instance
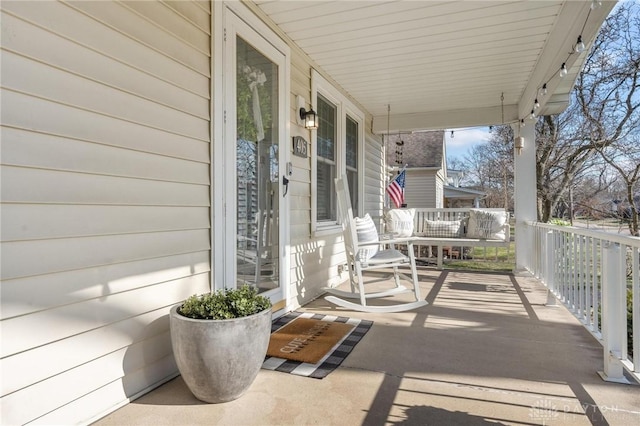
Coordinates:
223 203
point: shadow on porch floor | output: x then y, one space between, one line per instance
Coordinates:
486 350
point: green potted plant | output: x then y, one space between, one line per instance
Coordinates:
220 340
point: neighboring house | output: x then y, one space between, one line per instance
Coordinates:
424 154
621 208
428 182
148 154
457 196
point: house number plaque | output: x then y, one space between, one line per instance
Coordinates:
300 146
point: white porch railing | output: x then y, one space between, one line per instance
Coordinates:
594 274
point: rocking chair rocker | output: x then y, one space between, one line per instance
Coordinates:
362 250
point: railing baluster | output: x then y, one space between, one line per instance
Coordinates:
587 281
567 271
549 267
597 287
623 299
556 264
594 285
576 264
580 278
635 310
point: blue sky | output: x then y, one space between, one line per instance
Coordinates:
464 139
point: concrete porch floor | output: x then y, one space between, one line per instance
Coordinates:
486 350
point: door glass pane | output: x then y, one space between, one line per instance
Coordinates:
257 168
326 160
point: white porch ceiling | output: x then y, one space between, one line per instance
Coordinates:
443 64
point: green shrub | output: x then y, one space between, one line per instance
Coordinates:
225 304
559 222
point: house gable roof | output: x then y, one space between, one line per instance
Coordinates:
422 149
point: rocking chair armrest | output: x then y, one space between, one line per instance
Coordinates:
371 243
402 240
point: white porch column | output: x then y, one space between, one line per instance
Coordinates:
524 194
614 313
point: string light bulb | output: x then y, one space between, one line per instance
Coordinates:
579 45
452 134
563 70
522 122
532 115
536 104
544 89
595 4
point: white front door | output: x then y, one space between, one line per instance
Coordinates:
255 159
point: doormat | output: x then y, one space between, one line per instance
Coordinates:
306 339
329 361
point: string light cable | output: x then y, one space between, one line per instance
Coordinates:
577 48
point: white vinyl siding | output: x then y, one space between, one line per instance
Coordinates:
420 189
105 220
374 184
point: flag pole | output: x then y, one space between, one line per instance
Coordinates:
399 172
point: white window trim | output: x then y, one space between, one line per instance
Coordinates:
344 107
357 116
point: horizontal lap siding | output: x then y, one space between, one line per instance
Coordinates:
304 264
373 179
420 189
105 186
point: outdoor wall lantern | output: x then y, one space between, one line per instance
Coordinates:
310 118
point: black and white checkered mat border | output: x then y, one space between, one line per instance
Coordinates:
330 361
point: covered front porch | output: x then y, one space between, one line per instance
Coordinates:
120 199
486 350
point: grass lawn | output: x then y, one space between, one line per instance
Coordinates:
486 259
503 262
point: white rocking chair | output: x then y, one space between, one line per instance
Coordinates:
364 256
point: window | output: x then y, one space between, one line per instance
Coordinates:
352 160
326 160
337 150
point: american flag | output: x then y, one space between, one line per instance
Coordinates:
395 189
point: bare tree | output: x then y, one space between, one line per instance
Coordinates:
608 93
624 158
563 165
490 165
459 164
604 112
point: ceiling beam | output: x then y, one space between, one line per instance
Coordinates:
452 119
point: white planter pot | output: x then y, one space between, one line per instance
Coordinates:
219 359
